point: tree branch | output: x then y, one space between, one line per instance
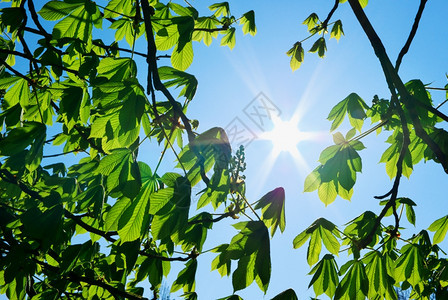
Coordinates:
8 177
223 216
335 6
72 276
15 72
61 154
111 289
394 81
20 30
153 78
212 29
411 36
35 18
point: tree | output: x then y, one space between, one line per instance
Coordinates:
99 226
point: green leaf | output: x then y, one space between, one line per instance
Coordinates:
327 192
312 181
220 9
338 138
362 2
392 154
182 57
248 22
440 226
49 221
314 248
329 240
55 10
354 285
297 53
171 208
183 11
379 281
92 196
115 8
167 37
186 277
78 24
362 225
20 138
410 213
229 38
352 105
244 274
325 278
208 33
288 294
159 199
320 231
177 79
409 266
273 209
114 214
214 147
336 30
122 172
117 69
311 21
251 247
319 46
18 93
134 222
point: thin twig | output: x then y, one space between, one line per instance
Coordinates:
438 106
411 36
213 220
61 154
224 28
369 131
17 73
436 88
251 208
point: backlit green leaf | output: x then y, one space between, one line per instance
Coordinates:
78 24
354 285
297 53
311 21
354 106
319 46
134 222
336 30
409 266
273 209
229 38
288 294
440 226
325 278
220 9
182 57
248 22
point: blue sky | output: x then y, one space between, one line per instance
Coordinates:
230 79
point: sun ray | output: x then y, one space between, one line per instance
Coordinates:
286 137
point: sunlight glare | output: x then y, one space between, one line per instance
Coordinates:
284 136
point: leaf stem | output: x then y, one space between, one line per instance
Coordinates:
250 206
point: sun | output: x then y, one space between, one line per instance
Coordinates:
285 136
